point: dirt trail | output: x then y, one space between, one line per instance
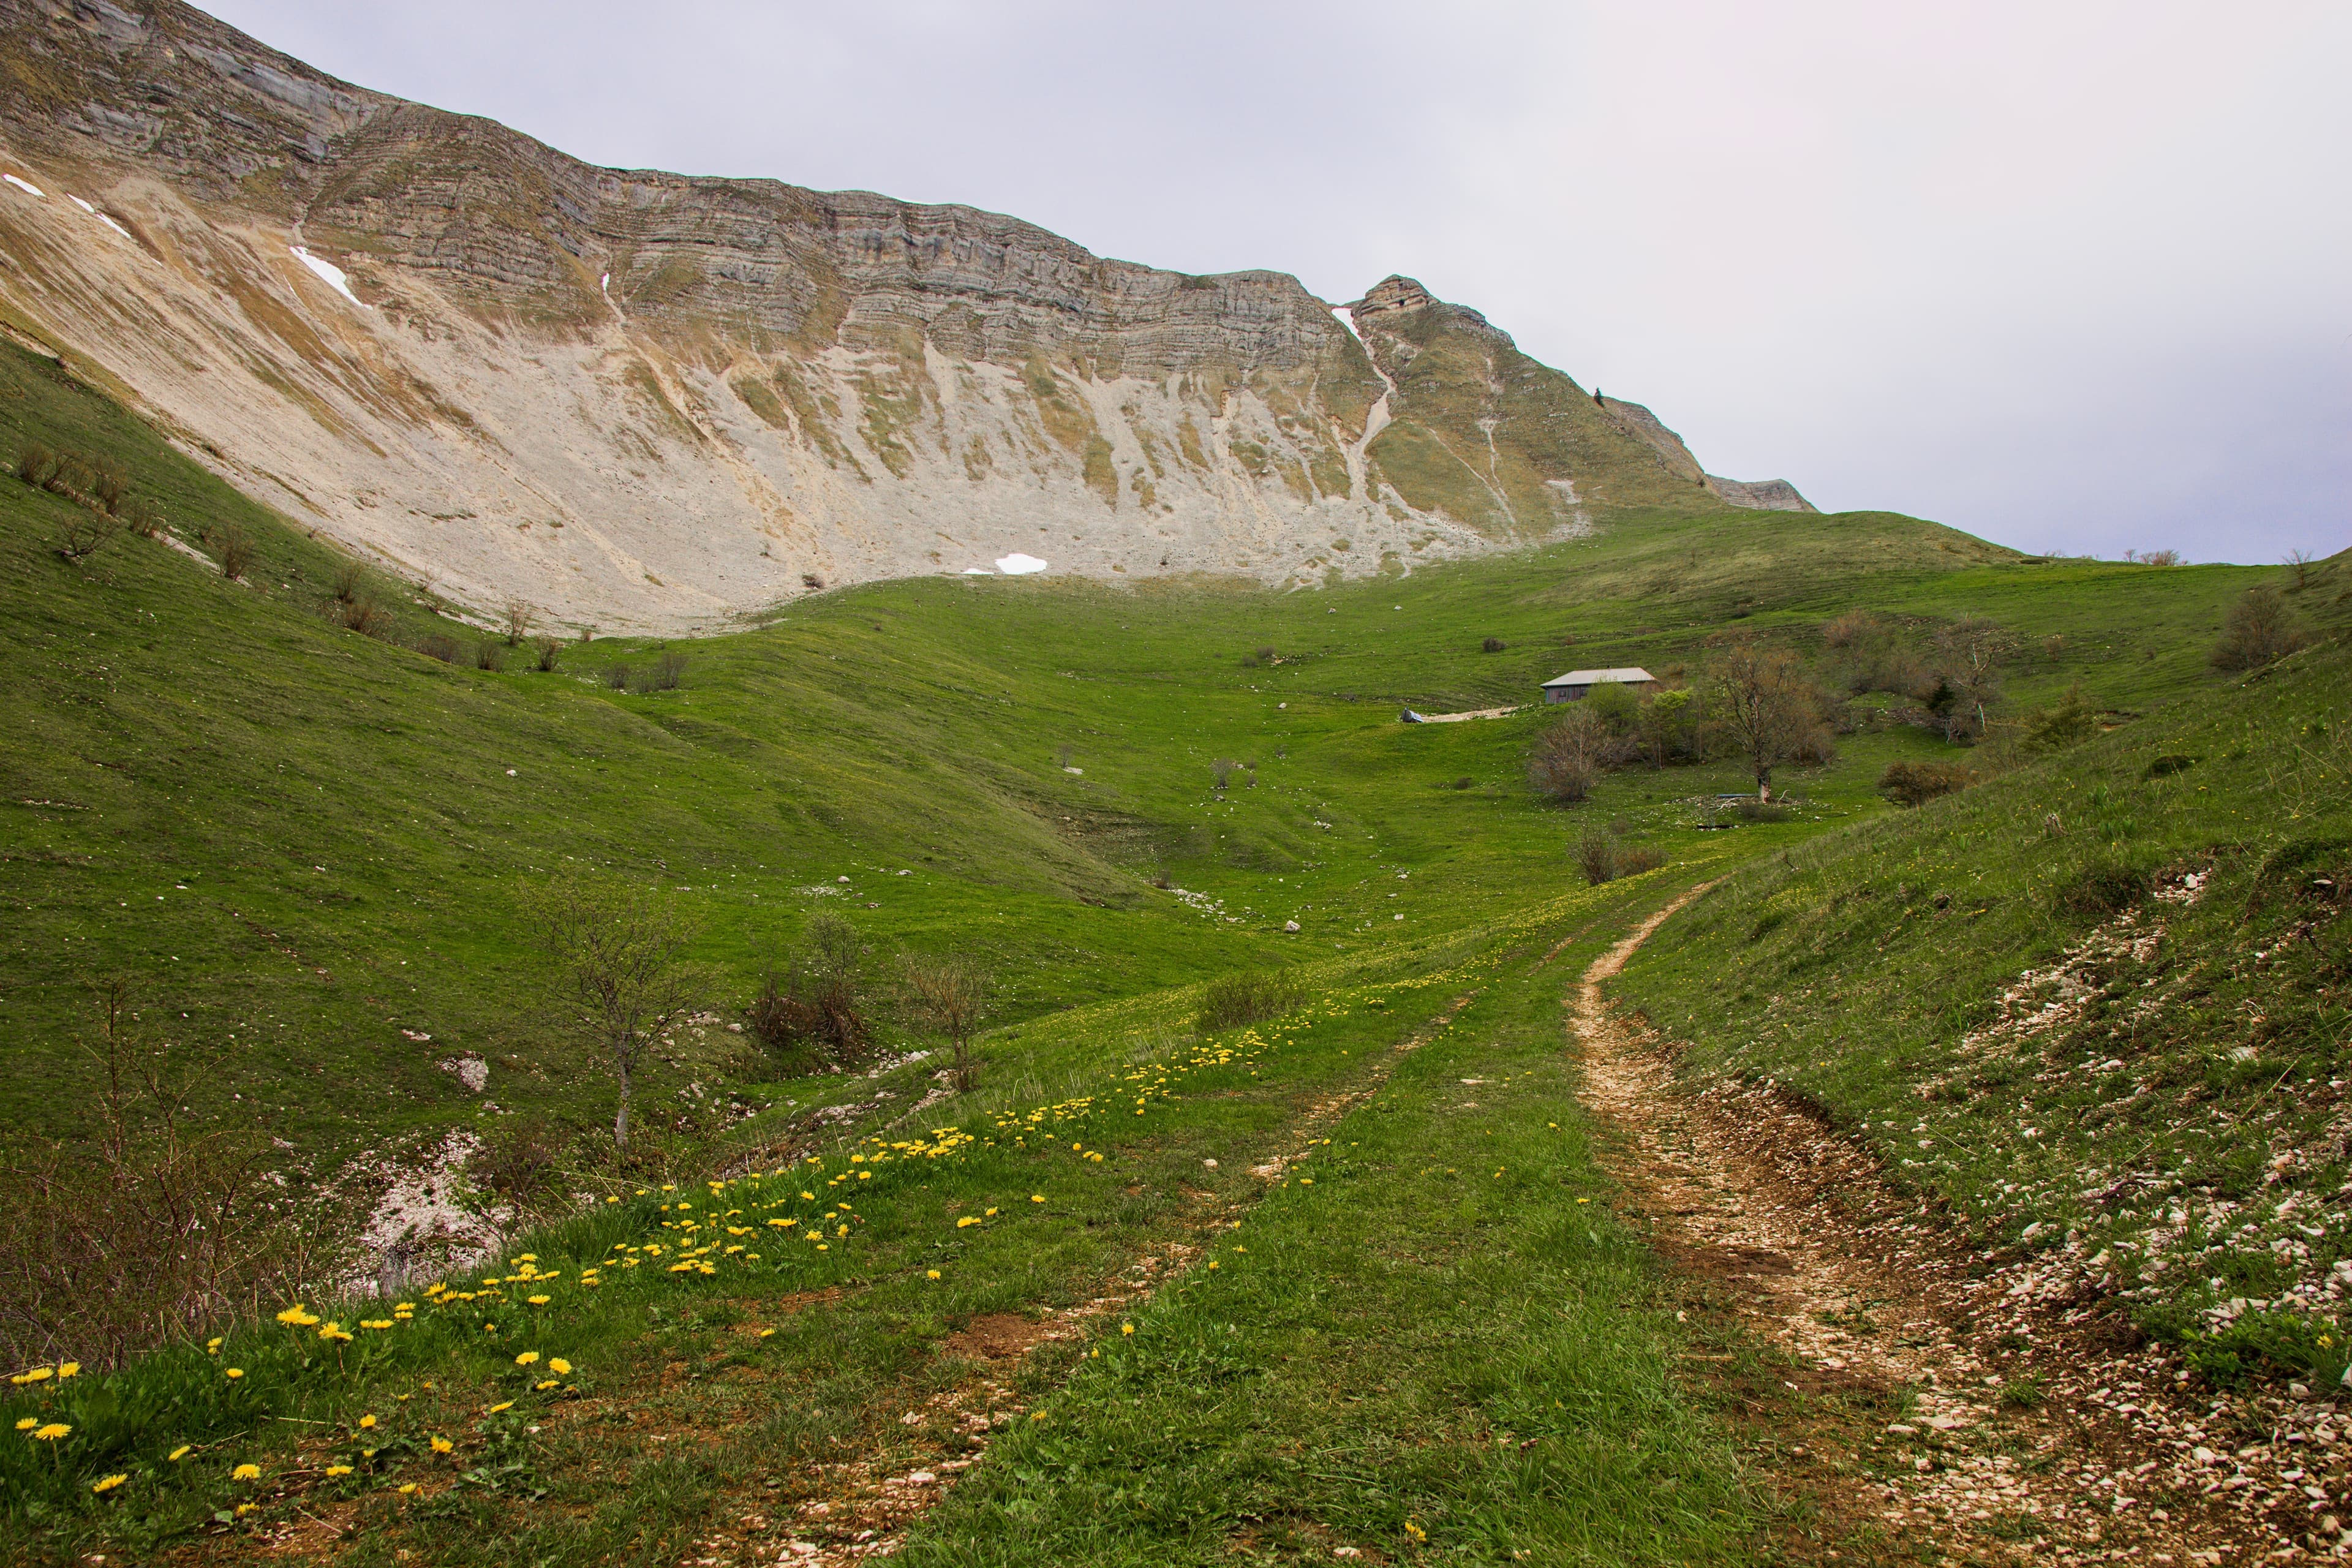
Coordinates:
865 1505
2003 1452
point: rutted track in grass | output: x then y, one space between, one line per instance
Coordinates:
1998 1449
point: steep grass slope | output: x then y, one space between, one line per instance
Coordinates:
2098 1009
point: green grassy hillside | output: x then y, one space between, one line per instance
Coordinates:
2097 1006
304 851
308 841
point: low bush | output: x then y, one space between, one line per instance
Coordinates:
438 645
155 1226
2259 630
546 651
668 670
616 678
362 615
1492 644
2102 886
520 1163
814 1014
489 653
1603 857
1917 784
236 551
83 533
1251 996
348 579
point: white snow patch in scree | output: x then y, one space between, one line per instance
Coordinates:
1018 565
97 215
26 186
332 275
1340 314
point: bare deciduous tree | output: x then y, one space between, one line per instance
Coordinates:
1769 705
1570 755
520 618
950 996
621 977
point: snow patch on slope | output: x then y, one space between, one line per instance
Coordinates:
1018 565
334 277
26 186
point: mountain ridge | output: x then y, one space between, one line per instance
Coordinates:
649 400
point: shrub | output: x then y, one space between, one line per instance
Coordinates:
2171 762
815 1014
617 678
440 645
489 653
142 517
1569 756
1222 771
82 533
1852 627
235 551
1251 996
2259 630
364 615
951 995
2102 886
1748 808
2070 722
108 481
348 579
1465 782
546 651
1917 784
1492 644
36 462
519 1162
668 670
519 617
151 1225
1603 857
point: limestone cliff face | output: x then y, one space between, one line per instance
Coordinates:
642 401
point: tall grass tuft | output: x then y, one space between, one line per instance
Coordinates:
1249 997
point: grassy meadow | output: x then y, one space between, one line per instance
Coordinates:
306 855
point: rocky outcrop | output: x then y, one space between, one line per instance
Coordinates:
645 401
1762 495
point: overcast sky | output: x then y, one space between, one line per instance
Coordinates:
2070 276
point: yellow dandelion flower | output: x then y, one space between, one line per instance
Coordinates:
245 1472
295 1317
181 1452
28 1423
442 1445
932 1274
560 1367
1036 1197
501 1405
1127 1328
526 1358
408 1489
540 1300
107 1484
334 1471
366 1420
39 1374
51 1433
68 1370
245 1508
232 1372
212 1347
543 1386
